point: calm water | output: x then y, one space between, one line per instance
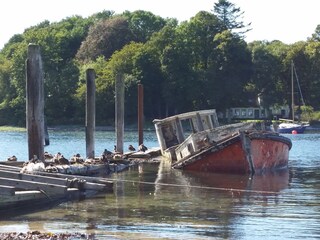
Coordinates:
68 142
152 201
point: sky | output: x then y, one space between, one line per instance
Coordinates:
289 21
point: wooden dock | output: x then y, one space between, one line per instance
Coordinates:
22 190
23 187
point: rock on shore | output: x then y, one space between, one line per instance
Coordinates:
35 235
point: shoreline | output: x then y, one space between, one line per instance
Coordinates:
34 235
71 128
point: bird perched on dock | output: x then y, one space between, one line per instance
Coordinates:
131 148
12 158
106 155
63 161
116 151
60 159
76 159
57 155
47 156
106 152
142 148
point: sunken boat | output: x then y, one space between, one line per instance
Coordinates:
195 141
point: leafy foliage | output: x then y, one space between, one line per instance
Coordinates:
197 64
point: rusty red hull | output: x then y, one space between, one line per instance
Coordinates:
269 154
258 153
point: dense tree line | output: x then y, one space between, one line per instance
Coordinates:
197 64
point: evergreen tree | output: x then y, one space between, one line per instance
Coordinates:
230 16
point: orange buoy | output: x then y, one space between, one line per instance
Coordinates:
294 132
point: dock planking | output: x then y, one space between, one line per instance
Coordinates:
21 190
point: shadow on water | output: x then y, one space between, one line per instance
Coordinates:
271 182
28 207
197 204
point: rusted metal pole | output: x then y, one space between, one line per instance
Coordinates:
35 102
90 113
119 110
140 113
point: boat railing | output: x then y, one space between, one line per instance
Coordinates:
201 140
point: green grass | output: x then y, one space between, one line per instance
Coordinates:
11 129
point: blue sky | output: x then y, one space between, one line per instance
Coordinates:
286 20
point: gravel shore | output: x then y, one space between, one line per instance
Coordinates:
35 235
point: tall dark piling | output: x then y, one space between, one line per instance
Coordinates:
119 110
35 102
46 133
90 113
140 113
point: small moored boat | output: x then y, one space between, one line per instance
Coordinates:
233 148
290 127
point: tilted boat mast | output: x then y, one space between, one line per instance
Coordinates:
294 74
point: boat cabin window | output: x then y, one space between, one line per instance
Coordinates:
169 135
256 113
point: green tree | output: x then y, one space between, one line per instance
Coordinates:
143 24
265 81
188 60
155 49
58 43
121 62
297 55
316 34
6 92
230 16
104 38
231 71
15 98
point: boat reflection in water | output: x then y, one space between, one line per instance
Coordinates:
154 200
193 184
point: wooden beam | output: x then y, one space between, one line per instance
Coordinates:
33 178
7 190
62 181
29 185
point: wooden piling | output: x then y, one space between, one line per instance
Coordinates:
90 113
46 133
35 102
119 110
140 113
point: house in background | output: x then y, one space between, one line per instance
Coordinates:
247 113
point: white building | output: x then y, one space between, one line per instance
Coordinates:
258 112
